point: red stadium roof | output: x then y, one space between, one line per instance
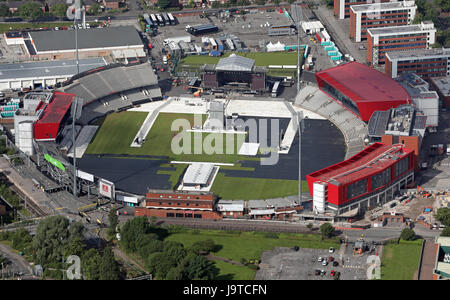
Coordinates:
56 109
371 160
365 86
53 112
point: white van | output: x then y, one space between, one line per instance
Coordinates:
448 149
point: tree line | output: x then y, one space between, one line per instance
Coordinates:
167 260
56 239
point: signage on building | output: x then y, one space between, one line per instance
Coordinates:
54 162
106 188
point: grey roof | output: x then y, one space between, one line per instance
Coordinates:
48 68
120 36
198 173
235 63
378 123
442 84
373 7
397 29
419 53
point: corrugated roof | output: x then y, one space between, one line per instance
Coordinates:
198 173
120 36
235 63
48 68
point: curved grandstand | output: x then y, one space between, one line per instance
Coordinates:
113 89
354 129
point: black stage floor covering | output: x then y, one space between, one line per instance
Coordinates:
322 145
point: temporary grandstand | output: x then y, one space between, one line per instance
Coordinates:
114 89
354 130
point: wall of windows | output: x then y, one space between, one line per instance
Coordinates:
381 179
357 188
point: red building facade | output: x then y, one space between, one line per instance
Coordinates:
366 179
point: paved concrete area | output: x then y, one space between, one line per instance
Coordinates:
287 264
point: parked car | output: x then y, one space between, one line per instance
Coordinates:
320 259
330 259
335 264
324 263
317 272
331 250
323 272
332 273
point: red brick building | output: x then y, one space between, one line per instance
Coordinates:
375 15
168 204
398 38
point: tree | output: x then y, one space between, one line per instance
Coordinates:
4 11
261 2
446 231
109 270
408 234
443 215
52 236
198 267
163 4
30 10
310 226
59 10
94 9
113 219
276 2
205 245
131 230
90 264
327 230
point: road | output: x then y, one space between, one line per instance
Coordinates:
17 264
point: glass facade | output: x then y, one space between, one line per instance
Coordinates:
357 188
381 179
333 92
402 166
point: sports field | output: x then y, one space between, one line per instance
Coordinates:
194 62
118 130
400 261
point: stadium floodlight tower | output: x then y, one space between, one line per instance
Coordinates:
300 126
77 106
297 18
76 12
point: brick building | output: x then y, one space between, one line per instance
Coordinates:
398 38
341 8
426 63
442 87
375 15
169 204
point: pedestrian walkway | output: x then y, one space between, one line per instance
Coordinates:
428 260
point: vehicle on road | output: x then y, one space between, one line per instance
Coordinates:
324 263
331 250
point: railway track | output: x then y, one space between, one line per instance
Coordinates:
31 206
243 225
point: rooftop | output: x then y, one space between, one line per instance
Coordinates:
198 173
419 53
54 111
121 36
373 7
442 84
363 84
398 121
371 160
235 63
393 30
48 68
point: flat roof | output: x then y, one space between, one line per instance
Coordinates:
121 36
54 111
397 29
235 63
419 53
362 83
442 84
373 7
372 159
53 68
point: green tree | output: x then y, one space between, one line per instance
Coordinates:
198 267
408 234
74 247
443 215
163 4
59 9
205 245
113 219
91 261
131 230
95 9
3 261
261 2
109 270
4 11
53 234
327 230
30 10
310 226
446 231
